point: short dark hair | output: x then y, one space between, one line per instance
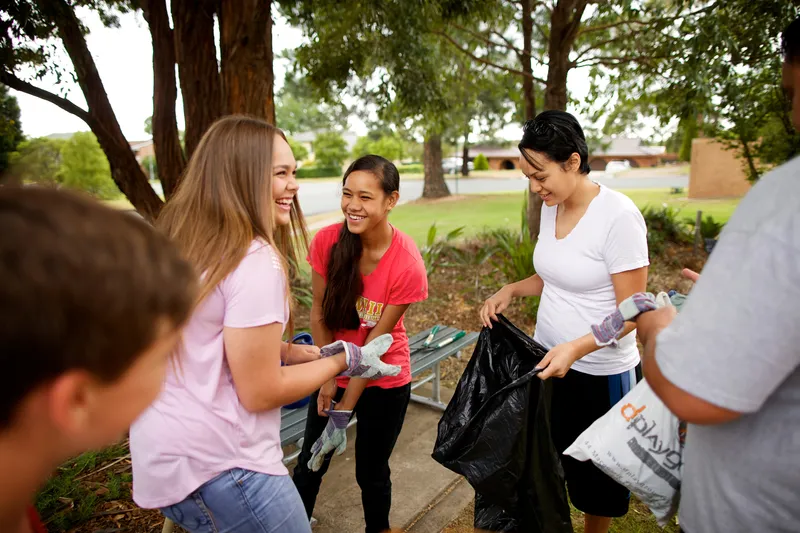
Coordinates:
790 42
83 286
556 134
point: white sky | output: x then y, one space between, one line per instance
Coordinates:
124 59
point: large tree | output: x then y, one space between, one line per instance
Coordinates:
558 36
29 28
722 79
389 50
241 82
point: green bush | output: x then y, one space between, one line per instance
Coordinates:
664 225
512 255
709 228
481 163
319 172
434 250
416 168
299 151
330 149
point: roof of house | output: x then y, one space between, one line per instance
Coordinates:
629 146
138 145
493 151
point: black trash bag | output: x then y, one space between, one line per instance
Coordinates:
496 433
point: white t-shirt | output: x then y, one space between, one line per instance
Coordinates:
610 238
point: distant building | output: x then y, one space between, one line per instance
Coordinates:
307 139
499 158
630 150
142 149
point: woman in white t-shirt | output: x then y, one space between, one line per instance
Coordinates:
591 255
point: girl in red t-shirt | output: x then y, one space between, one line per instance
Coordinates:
365 275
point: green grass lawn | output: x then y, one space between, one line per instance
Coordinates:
481 212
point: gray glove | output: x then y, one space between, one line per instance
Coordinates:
606 333
364 362
333 438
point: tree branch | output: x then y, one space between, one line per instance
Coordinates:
590 29
486 61
487 40
601 44
12 81
505 39
615 61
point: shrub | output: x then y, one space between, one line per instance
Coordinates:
663 226
319 172
434 249
481 163
415 168
709 228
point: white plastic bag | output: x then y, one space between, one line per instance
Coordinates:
639 444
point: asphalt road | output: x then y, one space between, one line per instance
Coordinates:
324 196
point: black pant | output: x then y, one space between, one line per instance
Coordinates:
380 415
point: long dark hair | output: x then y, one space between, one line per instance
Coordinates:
344 276
556 134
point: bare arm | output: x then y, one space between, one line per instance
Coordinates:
684 405
532 286
389 319
322 335
261 382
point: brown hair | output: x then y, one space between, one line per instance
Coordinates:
344 276
225 201
84 287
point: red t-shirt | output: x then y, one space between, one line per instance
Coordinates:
34 522
399 279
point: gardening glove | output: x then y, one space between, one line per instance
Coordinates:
606 333
364 362
334 438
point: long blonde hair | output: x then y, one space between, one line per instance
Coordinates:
225 201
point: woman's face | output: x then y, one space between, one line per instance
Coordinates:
284 181
364 203
553 182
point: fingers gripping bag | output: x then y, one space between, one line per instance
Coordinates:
496 433
639 444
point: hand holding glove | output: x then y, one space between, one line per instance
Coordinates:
334 438
364 362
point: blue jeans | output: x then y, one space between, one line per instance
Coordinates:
242 501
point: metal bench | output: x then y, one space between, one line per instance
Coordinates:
293 421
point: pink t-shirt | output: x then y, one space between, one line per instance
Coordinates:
197 428
398 279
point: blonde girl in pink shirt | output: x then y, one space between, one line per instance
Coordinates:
208 453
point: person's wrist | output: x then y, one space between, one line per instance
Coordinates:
341 360
510 291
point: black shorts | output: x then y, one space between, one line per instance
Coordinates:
578 400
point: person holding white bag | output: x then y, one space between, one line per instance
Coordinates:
729 364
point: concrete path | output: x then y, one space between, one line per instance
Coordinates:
425 495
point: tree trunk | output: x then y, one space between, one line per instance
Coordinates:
196 55
246 51
465 156
125 170
528 87
533 213
169 153
564 24
435 186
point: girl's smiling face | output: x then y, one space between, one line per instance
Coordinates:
364 202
